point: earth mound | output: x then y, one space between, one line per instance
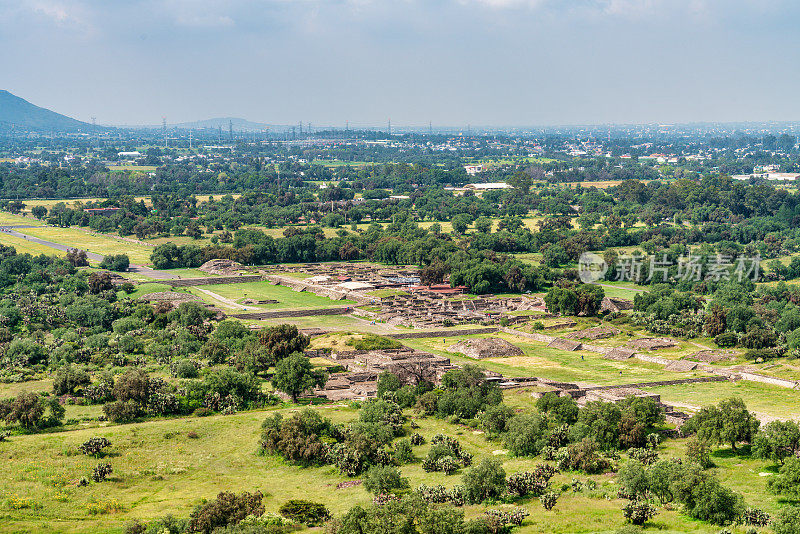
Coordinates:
221 267
489 347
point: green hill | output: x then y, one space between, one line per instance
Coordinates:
18 113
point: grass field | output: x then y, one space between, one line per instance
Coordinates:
287 298
761 398
28 247
159 469
97 243
541 361
8 219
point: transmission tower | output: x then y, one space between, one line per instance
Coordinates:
164 130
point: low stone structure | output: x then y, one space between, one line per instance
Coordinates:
221 267
619 354
597 332
489 347
168 296
564 344
652 343
615 304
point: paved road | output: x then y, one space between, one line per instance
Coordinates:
140 269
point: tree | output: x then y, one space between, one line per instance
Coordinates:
133 385
728 422
295 375
787 481
384 479
633 479
99 282
559 410
283 340
77 257
69 377
461 222
115 262
483 225
484 481
777 441
526 435
40 212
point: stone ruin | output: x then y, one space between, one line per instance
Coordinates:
652 343
489 347
360 382
221 267
597 332
614 304
431 310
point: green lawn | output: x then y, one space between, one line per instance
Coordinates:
762 398
158 469
97 243
286 297
23 246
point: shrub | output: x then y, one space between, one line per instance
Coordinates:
527 434
755 517
185 369
122 411
403 453
305 512
447 464
384 479
495 419
582 456
484 481
93 446
787 521
638 512
726 339
548 500
67 378
101 471
373 342
416 439
227 509
531 483
646 456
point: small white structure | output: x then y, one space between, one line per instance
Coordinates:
489 186
356 286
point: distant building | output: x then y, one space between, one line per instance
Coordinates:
489 186
472 170
129 154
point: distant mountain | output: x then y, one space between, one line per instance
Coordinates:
18 113
225 123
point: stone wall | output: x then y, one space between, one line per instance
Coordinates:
443 333
277 314
211 280
753 377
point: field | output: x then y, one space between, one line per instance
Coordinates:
286 297
97 243
158 468
771 401
28 247
582 367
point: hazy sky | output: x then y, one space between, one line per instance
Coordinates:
453 62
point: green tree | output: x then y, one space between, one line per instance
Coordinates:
295 375
485 480
384 479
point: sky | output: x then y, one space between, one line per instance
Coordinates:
449 62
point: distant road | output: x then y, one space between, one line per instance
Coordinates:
140 269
